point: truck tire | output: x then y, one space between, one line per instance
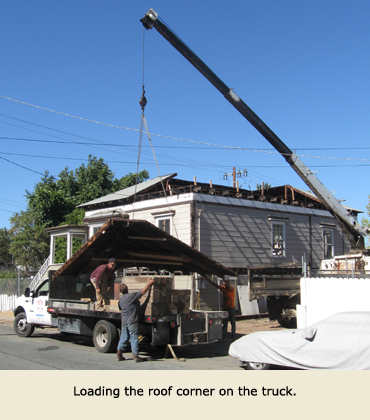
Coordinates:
257 366
21 327
287 323
105 337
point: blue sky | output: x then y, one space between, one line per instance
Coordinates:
302 66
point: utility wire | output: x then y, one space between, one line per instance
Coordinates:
21 166
168 137
166 147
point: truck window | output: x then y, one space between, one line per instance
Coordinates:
43 290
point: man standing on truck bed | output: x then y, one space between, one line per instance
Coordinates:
228 304
129 305
102 279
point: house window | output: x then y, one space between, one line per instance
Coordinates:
278 239
328 238
165 224
93 229
164 221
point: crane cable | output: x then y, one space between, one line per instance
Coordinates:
143 101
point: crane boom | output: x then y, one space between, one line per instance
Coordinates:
352 229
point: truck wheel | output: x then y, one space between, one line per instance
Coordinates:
21 327
287 323
257 366
105 337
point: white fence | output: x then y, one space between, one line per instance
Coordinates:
322 297
7 303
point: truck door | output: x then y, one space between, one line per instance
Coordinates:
37 313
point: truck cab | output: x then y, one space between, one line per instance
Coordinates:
31 310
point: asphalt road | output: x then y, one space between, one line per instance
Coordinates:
50 350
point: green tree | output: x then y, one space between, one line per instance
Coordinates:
54 200
266 186
30 242
130 180
46 202
5 254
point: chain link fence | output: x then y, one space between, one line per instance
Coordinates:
10 286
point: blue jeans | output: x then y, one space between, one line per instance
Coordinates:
129 332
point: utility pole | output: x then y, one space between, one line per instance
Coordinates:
236 174
19 281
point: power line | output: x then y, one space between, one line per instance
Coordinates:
163 136
129 145
21 166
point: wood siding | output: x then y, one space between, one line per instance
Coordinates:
237 232
239 237
181 228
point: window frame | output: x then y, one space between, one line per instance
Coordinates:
164 215
164 218
325 243
278 223
93 228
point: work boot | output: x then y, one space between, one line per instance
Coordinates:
137 359
119 356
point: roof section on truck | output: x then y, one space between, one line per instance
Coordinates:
138 243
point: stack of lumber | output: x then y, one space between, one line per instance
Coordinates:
162 299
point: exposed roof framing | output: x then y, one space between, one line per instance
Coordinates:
138 243
285 194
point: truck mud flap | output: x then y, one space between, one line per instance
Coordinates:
160 334
73 326
214 326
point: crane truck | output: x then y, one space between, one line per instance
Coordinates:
354 231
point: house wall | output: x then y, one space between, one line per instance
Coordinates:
150 209
181 225
237 232
239 236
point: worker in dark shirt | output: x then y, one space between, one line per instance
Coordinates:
129 305
102 278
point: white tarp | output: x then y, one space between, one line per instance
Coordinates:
341 341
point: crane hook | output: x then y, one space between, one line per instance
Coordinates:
143 101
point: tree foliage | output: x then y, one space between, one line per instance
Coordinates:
30 242
54 202
266 186
5 254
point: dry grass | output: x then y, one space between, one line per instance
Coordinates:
7 313
248 326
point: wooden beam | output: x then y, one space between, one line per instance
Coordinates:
158 256
142 262
143 238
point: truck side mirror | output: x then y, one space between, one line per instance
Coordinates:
27 292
